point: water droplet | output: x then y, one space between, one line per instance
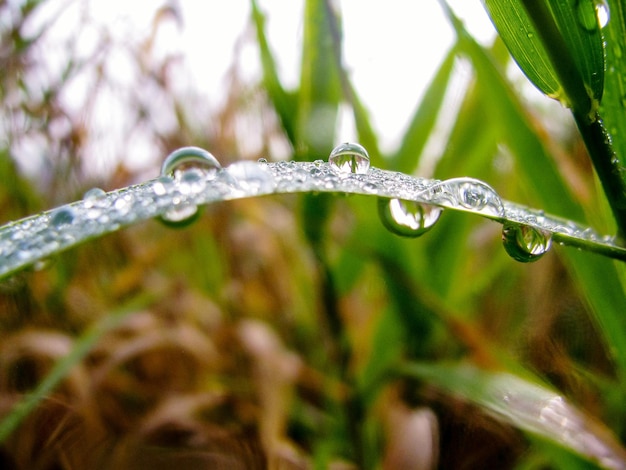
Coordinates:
466 193
181 215
603 14
162 185
93 194
407 218
187 158
191 181
262 160
525 243
349 158
251 177
62 218
472 196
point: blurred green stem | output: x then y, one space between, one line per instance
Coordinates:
589 122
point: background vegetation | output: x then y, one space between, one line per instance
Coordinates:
297 332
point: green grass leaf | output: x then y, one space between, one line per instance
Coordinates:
83 345
525 404
557 44
283 102
423 121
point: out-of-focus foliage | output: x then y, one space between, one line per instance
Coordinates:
294 332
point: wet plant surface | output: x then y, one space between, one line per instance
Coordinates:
340 305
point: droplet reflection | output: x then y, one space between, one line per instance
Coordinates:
407 218
349 158
524 243
186 158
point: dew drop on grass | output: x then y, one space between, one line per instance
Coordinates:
251 177
407 218
190 168
62 218
472 196
349 158
525 243
93 194
603 13
186 158
181 215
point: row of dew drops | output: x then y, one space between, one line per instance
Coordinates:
191 168
188 170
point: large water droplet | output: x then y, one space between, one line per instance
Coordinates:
186 158
251 177
181 215
603 14
62 218
349 158
407 218
525 243
93 194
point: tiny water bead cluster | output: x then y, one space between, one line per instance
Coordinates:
191 178
409 218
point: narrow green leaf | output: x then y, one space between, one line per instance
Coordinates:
613 106
59 371
424 118
597 278
556 44
526 405
320 87
284 103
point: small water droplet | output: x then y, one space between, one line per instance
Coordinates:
251 177
407 218
62 218
191 181
181 215
93 194
42 264
349 158
262 160
525 243
187 158
162 185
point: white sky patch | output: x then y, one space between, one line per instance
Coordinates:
391 51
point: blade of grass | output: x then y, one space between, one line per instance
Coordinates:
527 405
284 103
83 345
597 278
407 157
320 87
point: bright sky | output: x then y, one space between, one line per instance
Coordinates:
391 51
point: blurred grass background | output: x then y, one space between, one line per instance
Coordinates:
269 333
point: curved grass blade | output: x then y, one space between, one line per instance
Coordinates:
526 405
24 242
